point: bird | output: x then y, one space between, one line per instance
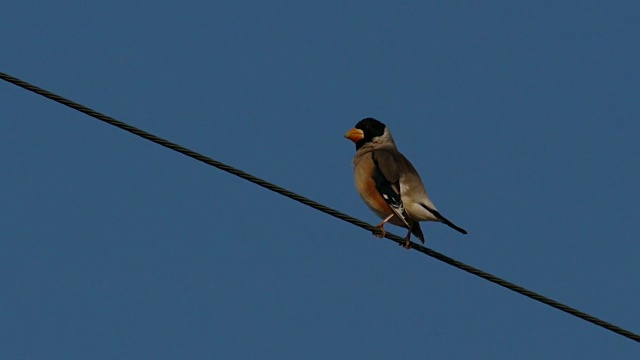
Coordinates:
389 184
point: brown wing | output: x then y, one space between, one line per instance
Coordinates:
387 179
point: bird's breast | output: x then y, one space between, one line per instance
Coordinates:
366 186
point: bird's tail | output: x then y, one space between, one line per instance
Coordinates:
444 220
417 231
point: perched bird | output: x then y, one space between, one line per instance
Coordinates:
388 183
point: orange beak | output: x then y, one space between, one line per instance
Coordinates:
354 135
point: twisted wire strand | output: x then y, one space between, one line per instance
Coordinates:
325 209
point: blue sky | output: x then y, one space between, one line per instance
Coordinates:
522 119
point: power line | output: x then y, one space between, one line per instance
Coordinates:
327 210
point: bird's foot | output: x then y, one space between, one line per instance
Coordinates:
407 241
381 232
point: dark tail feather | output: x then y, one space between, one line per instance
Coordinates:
415 230
444 220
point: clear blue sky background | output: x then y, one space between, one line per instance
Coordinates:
522 119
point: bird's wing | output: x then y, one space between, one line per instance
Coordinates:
387 179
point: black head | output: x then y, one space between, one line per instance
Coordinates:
369 129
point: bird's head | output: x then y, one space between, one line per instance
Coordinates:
369 131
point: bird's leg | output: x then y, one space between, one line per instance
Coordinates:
382 232
407 241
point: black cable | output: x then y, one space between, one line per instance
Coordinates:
317 206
